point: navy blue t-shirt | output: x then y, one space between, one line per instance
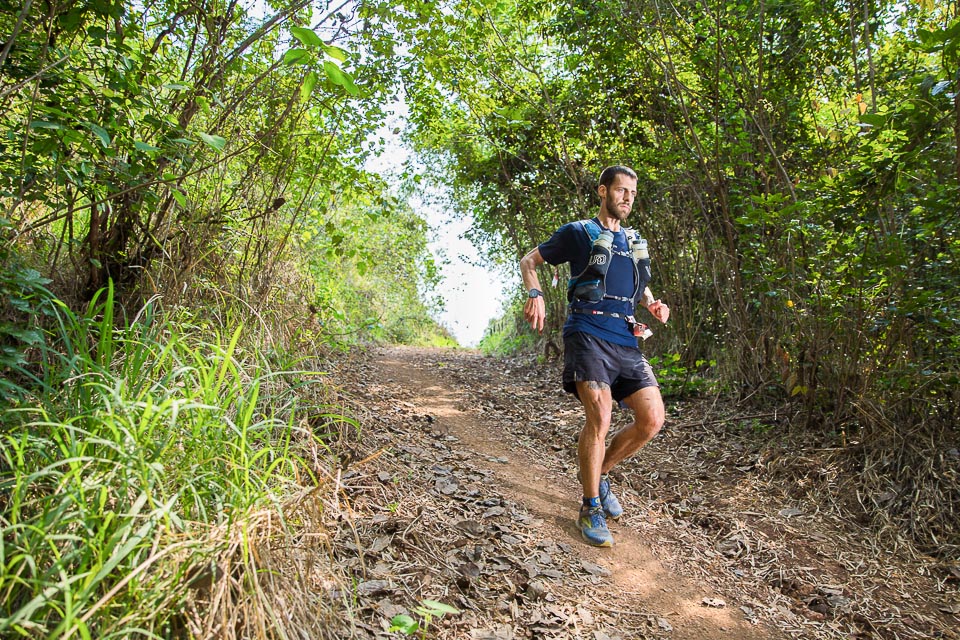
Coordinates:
571 243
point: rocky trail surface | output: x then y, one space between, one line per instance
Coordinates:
460 488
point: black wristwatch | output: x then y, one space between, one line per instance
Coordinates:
535 293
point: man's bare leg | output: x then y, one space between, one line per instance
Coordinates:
597 404
648 417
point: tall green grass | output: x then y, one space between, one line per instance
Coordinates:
130 458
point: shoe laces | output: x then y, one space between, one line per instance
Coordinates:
597 518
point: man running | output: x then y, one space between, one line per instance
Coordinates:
602 362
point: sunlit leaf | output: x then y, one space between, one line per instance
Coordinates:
439 607
334 72
296 56
336 53
306 36
213 141
874 119
340 77
308 85
404 624
101 133
351 88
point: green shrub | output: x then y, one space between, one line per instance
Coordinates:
139 443
23 300
677 381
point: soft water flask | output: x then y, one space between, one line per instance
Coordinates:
588 285
638 246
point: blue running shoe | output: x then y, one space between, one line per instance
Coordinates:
593 527
611 506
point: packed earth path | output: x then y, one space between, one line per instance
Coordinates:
461 489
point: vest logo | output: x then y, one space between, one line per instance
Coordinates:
598 259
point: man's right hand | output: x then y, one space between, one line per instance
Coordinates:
534 312
535 309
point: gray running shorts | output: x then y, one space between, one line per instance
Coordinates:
587 358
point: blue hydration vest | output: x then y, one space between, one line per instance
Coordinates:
589 281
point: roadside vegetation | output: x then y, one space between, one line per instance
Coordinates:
187 234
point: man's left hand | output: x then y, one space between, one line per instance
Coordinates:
659 310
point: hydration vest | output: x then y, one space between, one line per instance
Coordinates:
590 285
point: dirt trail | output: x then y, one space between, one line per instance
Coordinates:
460 487
637 580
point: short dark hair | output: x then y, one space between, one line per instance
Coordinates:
608 175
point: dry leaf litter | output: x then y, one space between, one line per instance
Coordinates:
724 502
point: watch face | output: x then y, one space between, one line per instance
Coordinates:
534 293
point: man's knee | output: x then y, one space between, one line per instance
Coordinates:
652 417
643 429
653 426
597 405
648 411
597 421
